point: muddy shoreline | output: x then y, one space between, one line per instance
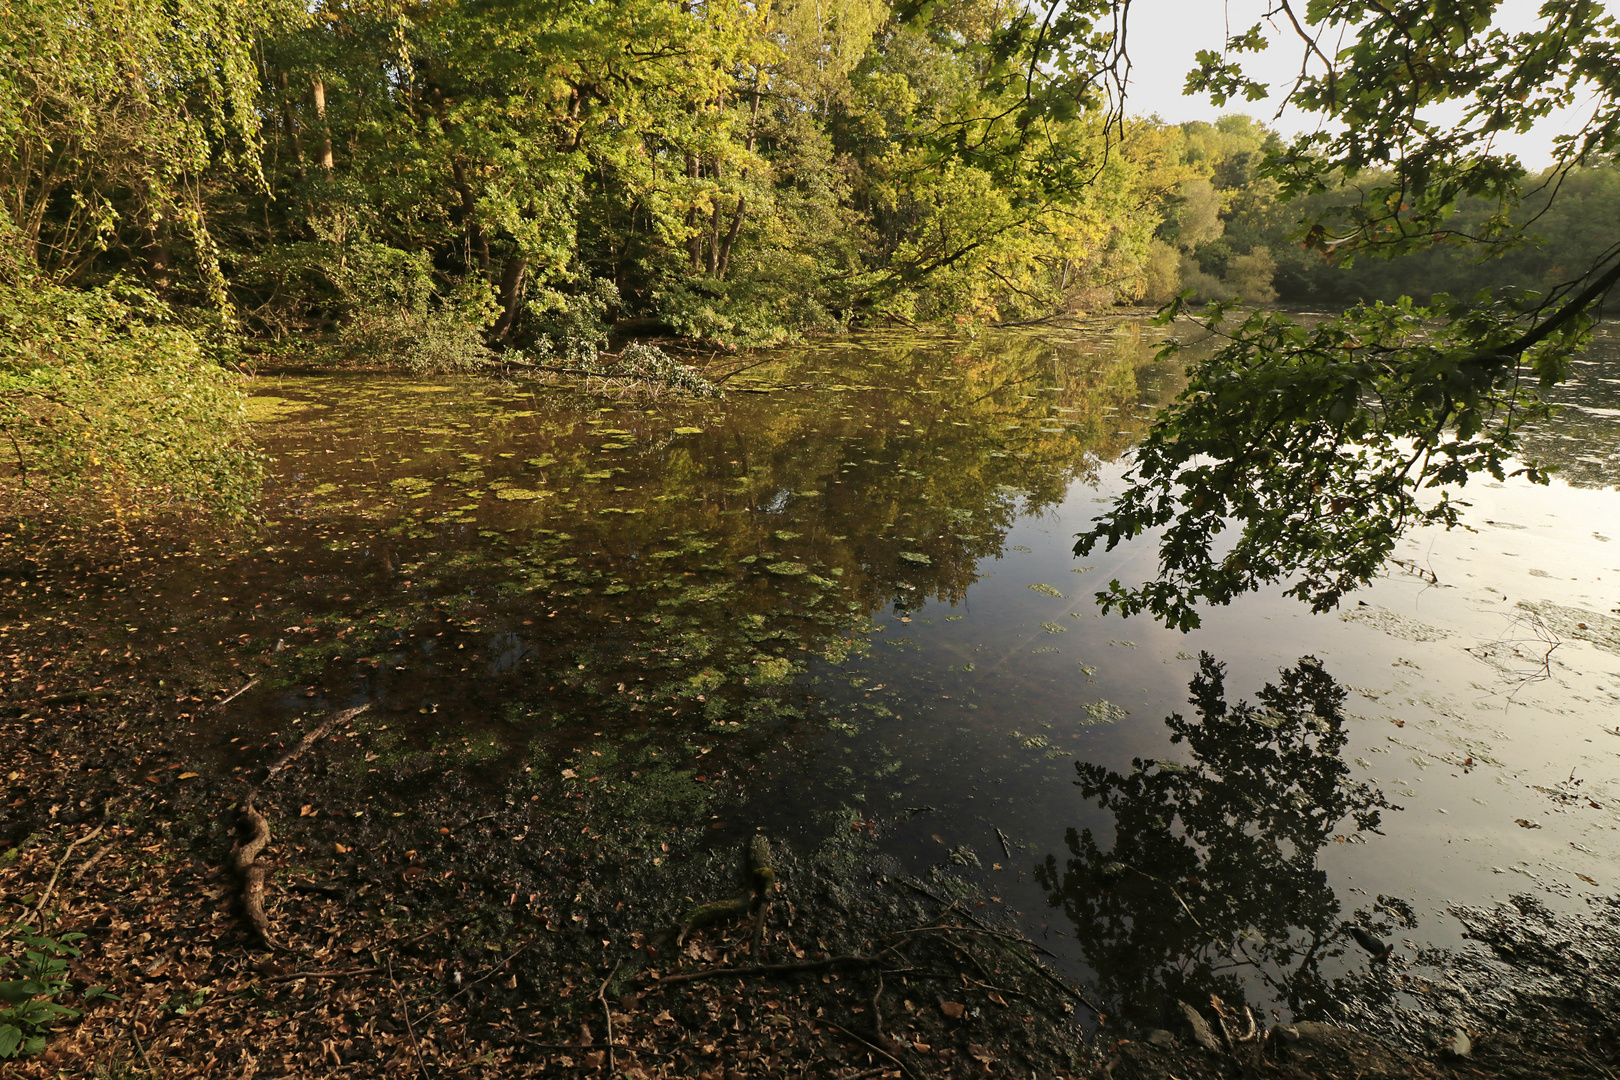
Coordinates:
426 925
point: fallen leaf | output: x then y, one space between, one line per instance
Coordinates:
953 1009
997 998
1523 824
187 775
306 810
980 1053
569 774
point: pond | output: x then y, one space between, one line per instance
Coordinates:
843 598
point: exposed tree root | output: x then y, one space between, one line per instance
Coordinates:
761 874
255 836
254 830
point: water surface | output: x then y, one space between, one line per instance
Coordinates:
844 598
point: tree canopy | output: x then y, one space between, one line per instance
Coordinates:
434 184
1300 452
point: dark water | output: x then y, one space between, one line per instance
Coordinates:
844 598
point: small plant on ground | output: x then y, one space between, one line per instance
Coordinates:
29 1003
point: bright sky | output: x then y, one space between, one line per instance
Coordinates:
1164 35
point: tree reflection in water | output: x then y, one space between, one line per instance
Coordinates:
1211 885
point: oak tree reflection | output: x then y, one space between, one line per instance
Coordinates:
1210 882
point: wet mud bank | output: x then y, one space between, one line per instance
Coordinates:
438 922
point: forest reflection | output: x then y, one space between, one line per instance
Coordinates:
1211 883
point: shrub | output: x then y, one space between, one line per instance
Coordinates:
103 396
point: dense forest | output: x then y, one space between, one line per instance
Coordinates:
187 186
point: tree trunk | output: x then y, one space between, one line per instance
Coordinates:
317 91
289 124
158 255
714 228
694 244
731 236
477 242
740 213
511 297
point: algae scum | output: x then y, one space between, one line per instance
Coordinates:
843 598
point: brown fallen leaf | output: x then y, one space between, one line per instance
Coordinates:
953 1009
997 998
980 1053
306 810
1523 824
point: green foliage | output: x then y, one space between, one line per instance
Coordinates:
644 366
111 115
103 396
1319 445
35 981
1300 454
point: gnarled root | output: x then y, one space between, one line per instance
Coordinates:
255 829
761 873
255 836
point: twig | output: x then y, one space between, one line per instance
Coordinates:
1031 961
938 899
739 370
877 1012
319 890
1005 850
761 969
296 975
875 1049
409 1030
95 857
980 928
513 955
607 1014
251 683
643 1051
150 1068
45 897
340 717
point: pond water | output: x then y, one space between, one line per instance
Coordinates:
844 597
